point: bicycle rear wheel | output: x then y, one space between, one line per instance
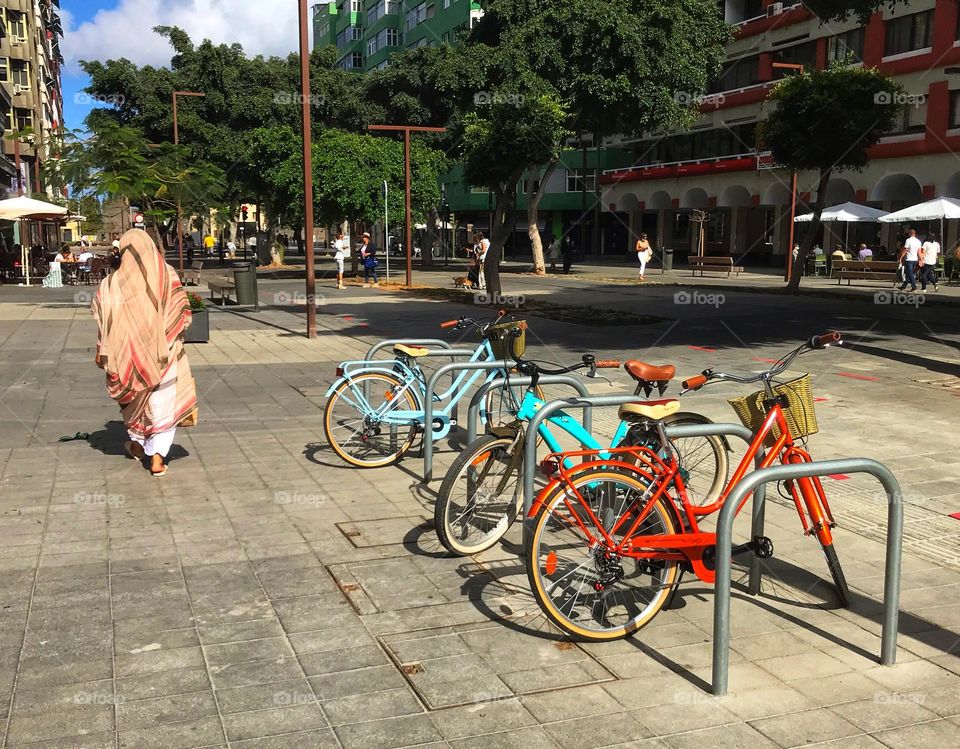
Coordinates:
704 463
473 512
583 587
359 438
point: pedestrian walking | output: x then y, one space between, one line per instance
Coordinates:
644 254
368 256
909 257
929 252
341 249
481 245
567 252
553 252
141 312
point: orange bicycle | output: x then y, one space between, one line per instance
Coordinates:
610 538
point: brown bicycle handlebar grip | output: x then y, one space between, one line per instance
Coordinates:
695 382
607 364
819 341
450 324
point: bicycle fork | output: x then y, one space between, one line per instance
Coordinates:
814 512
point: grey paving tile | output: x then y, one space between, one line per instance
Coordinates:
163 683
240 726
480 718
186 735
191 706
322 739
26 727
371 706
720 737
265 696
810 727
356 681
534 737
384 734
922 736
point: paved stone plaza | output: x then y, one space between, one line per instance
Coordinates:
264 595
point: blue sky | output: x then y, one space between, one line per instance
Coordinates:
105 29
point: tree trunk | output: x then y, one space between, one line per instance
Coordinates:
298 233
354 234
533 218
499 233
807 245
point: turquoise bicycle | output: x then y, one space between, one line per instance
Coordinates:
374 409
481 494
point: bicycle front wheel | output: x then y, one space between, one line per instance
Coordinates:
356 430
501 405
480 496
583 586
703 460
836 572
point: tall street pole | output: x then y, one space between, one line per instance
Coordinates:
386 227
406 130
176 141
797 67
307 171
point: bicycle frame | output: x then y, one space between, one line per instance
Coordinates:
661 473
412 379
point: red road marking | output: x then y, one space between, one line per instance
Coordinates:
838 476
854 376
765 361
820 400
347 317
954 515
364 325
701 348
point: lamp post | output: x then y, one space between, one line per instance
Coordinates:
311 281
406 130
793 185
176 141
386 227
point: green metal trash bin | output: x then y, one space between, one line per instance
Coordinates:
245 277
667 260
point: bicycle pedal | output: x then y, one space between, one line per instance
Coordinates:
762 547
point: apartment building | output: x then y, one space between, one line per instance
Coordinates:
367 32
716 167
31 100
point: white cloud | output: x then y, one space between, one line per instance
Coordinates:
126 30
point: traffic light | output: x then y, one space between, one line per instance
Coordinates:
243 212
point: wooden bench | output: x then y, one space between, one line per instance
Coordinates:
224 286
883 271
192 274
721 264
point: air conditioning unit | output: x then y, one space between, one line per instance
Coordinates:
18 89
774 9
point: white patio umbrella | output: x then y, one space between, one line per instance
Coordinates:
931 210
845 212
24 207
848 213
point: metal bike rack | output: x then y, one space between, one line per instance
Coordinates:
473 412
428 404
891 584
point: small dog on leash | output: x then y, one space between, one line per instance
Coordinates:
460 282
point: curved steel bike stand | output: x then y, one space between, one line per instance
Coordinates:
473 412
428 404
891 583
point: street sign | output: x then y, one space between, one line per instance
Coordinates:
138 220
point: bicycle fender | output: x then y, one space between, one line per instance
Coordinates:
700 418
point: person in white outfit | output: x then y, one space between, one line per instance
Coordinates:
929 252
644 254
481 245
341 247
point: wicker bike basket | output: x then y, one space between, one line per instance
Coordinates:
800 414
500 338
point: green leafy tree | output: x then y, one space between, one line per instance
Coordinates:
613 66
117 161
804 131
841 10
499 142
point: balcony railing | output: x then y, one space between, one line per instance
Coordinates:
686 162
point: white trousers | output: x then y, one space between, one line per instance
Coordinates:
643 266
163 401
156 444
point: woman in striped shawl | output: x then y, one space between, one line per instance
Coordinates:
141 311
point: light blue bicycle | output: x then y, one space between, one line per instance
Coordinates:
481 494
374 409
